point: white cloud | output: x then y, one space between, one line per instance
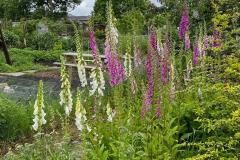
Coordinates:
86 7
156 2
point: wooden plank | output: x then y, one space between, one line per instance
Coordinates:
75 65
87 60
74 54
84 55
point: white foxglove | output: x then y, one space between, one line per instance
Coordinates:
80 112
65 93
137 58
110 113
98 82
128 61
82 72
39 114
111 30
81 65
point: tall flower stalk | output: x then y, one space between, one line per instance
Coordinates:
39 114
137 56
153 39
80 113
98 82
165 61
65 94
205 39
187 42
216 39
150 79
158 111
110 113
128 60
111 30
114 66
196 52
184 26
172 92
188 71
81 65
93 46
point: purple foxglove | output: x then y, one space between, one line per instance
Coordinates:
196 53
150 85
93 44
153 40
164 72
114 66
158 112
184 24
216 39
187 42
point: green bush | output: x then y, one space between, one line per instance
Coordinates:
35 55
68 44
44 41
57 148
57 27
25 59
11 39
15 120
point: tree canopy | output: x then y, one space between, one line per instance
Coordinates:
119 8
17 9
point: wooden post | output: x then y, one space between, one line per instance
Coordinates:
4 47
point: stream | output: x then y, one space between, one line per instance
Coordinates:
24 88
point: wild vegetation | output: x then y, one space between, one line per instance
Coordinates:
172 93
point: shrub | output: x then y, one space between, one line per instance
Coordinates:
11 39
24 59
68 44
45 41
15 120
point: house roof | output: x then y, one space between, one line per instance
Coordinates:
79 18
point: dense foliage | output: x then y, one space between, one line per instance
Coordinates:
26 59
16 9
171 94
26 35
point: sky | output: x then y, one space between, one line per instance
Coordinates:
86 7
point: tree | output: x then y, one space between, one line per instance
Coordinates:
132 21
119 8
4 47
17 9
53 8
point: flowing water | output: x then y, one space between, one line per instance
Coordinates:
24 88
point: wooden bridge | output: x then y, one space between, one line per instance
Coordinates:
71 62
